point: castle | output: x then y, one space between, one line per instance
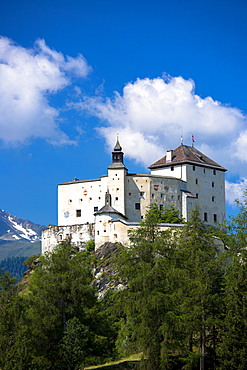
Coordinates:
108 208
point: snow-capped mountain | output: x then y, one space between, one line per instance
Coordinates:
13 228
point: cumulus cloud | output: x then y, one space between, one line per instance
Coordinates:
157 111
151 114
28 77
235 190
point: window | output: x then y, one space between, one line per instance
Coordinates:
196 181
117 189
172 197
194 168
197 195
214 172
95 209
161 207
78 213
162 196
97 232
213 199
142 194
215 217
205 217
116 198
129 194
212 184
70 201
204 170
137 206
152 196
172 168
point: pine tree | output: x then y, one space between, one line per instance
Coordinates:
199 280
233 347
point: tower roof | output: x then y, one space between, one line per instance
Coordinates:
187 154
117 147
110 210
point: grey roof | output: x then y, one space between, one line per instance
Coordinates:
117 147
109 209
187 154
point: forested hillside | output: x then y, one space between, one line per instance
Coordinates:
180 301
14 266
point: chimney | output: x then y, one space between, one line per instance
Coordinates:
169 153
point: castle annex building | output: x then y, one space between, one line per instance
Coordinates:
107 208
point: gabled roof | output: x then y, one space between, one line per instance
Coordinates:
187 154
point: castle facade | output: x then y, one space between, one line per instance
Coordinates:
107 208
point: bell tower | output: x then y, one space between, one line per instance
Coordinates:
117 173
117 154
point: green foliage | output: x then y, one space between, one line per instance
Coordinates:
90 245
57 325
173 298
233 345
28 262
166 215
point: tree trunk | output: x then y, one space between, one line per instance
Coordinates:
203 340
63 314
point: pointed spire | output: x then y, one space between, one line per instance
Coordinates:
117 147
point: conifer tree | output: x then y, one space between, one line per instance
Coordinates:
200 282
233 347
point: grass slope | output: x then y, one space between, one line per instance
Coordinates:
18 248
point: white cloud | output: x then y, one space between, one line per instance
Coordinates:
27 77
159 110
151 114
235 190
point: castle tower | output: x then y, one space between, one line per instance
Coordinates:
117 173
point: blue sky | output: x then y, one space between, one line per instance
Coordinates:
73 74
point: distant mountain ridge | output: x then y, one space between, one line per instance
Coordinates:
18 236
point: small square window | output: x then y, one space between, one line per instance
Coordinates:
78 213
137 206
129 194
116 198
95 209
